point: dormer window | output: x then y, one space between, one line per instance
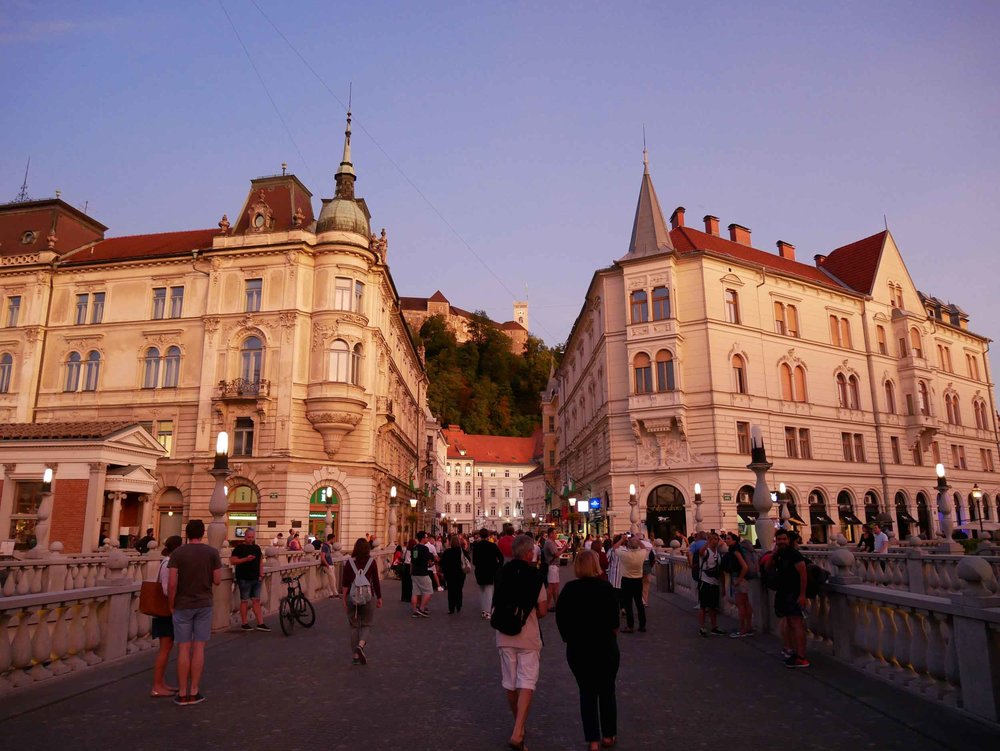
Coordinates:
259 220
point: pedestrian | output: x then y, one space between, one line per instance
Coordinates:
880 540
602 558
421 560
486 562
867 542
518 602
406 590
163 625
293 541
631 555
453 565
788 567
647 567
327 567
194 569
143 544
505 542
362 594
551 553
247 557
694 554
709 584
737 565
588 623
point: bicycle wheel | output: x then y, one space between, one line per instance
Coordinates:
286 617
305 613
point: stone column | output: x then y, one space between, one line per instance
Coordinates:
145 514
976 645
218 505
761 493
95 507
116 497
842 624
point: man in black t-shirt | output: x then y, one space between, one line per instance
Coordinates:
248 558
420 561
790 603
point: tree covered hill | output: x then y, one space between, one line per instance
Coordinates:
480 384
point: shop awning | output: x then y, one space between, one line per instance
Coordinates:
904 518
820 517
750 517
848 517
797 520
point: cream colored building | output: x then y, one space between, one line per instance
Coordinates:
859 383
280 328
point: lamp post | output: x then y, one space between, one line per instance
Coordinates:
977 498
633 510
761 494
218 528
392 516
944 511
697 507
41 548
328 520
413 513
784 515
582 506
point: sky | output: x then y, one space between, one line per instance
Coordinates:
500 144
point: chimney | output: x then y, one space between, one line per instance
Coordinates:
786 250
677 218
739 234
711 225
820 259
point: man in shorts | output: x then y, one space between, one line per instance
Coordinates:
248 558
550 559
520 655
194 568
421 559
709 585
326 565
789 566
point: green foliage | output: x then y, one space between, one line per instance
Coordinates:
480 384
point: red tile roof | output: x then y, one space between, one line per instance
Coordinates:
136 247
489 449
54 431
857 263
438 297
686 239
512 326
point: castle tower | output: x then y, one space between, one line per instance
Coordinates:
521 313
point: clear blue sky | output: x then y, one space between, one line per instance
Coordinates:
522 123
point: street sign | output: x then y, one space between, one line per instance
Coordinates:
727 496
273 495
595 503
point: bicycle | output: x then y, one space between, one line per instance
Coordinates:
295 606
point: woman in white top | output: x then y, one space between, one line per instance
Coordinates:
163 626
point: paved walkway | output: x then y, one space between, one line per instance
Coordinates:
434 684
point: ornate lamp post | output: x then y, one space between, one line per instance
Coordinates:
583 507
392 516
218 504
328 522
697 507
41 548
977 499
633 510
413 513
761 494
534 522
944 510
783 514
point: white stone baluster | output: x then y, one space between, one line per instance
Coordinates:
951 676
23 580
133 625
60 640
41 646
21 651
935 656
77 637
6 658
918 648
92 633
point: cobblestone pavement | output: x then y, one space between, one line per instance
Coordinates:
434 683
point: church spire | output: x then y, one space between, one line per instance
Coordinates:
345 175
649 230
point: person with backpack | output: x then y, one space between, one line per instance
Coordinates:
709 585
486 561
741 565
519 600
421 560
326 564
788 571
362 594
454 564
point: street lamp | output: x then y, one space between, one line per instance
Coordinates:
392 515
41 548
582 507
784 515
413 513
977 497
328 521
218 504
697 507
761 493
633 511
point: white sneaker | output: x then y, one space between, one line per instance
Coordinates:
440 589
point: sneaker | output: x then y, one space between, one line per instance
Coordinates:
246 627
180 700
703 632
440 589
355 661
796 662
739 634
415 614
199 698
423 613
362 657
263 627
718 632
786 653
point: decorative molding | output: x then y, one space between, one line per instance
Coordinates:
261 216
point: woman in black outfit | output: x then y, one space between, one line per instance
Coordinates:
588 622
454 575
406 590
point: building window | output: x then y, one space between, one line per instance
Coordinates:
176 302
493 492
779 319
792 320
661 303
82 301
953 415
896 295
6 368
251 359
918 456
665 371
840 332
923 401
640 311
800 383
447 506
92 371
552 424
479 493
73 371
793 382
447 487
842 390
979 408
732 306
468 488
253 290
359 297
883 349
13 310
447 469
243 437
468 508
172 367
791 443
356 364
890 398
972 363
805 444
986 455
739 374
854 392
342 293
743 437
935 452
506 510
151 368
506 492
97 309
853 446
847 444
493 510
643 374
493 473
468 469
916 343
897 457
159 302
552 458
859 447
27 499
506 473
958 456
165 435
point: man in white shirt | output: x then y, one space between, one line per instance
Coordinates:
881 539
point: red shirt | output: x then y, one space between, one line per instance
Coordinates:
506 545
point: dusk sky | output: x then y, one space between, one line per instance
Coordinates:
513 132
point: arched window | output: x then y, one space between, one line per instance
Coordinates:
172 367
643 374
890 398
73 371
661 303
956 410
92 371
732 306
923 400
447 487
468 489
251 359
6 366
916 343
854 392
842 390
800 383
787 391
468 508
340 361
665 371
151 368
356 365
979 408
640 311
739 374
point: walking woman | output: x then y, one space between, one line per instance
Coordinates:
588 622
453 563
359 604
406 590
163 626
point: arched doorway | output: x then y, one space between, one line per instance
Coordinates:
850 524
244 506
746 514
905 522
819 521
923 516
170 512
665 514
960 517
872 510
322 498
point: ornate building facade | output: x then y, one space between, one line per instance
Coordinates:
859 384
281 328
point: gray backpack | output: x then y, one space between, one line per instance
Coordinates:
360 592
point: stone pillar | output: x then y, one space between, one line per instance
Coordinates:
915 569
842 625
944 507
116 497
218 505
116 613
145 514
976 646
95 508
41 549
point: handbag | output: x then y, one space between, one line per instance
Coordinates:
466 564
152 601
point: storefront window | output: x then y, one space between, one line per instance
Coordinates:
243 509
27 499
318 502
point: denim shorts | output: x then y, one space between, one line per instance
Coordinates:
193 624
249 589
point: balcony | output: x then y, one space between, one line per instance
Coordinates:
334 410
242 388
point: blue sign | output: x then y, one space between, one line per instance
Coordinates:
595 504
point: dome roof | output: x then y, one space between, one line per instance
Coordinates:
343 215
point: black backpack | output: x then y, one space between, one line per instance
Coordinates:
816 577
514 597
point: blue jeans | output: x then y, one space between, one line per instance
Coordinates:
192 624
249 589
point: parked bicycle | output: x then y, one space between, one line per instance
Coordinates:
295 606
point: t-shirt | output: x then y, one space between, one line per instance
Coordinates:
531 634
506 545
326 553
711 560
420 559
881 542
695 549
631 562
251 569
789 582
195 564
551 552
